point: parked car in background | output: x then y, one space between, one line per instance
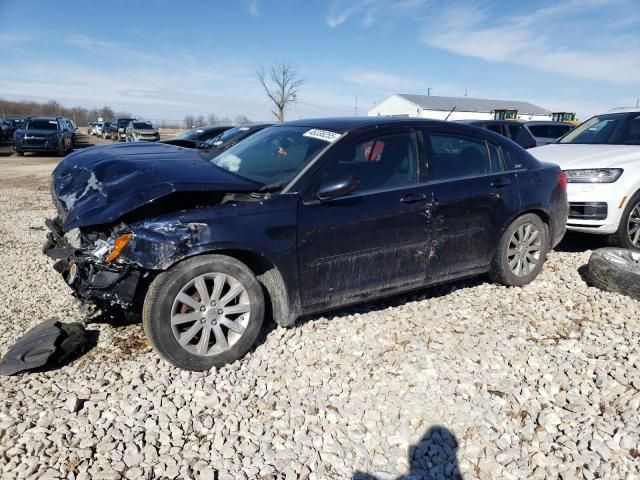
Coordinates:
97 129
106 131
11 125
43 134
138 131
299 218
601 158
222 141
121 125
71 127
202 134
90 128
4 130
526 134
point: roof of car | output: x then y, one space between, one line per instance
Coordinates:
625 110
344 124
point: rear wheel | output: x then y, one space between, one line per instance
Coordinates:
521 251
204 312
628 234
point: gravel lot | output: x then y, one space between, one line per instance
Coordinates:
470 378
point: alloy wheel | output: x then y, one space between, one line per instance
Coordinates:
524 249
633 226
210 314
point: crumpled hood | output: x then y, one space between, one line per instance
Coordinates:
569 156
98 185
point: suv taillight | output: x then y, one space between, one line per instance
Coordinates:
562 180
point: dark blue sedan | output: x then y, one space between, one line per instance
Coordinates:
299 218
43 134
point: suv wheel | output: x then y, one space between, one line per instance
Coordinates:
628 234
521 251
204 312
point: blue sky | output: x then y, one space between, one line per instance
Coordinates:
167 59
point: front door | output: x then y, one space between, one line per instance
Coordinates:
473 197
372 239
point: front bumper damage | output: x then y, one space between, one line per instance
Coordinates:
85 274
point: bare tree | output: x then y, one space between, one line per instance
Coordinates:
199 121
189 121
281 83
212 119
242 120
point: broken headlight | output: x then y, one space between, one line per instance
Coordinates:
108 251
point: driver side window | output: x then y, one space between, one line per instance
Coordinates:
380 163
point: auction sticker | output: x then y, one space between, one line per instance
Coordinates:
326 135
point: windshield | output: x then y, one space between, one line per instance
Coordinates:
272 156
189 134
549 130
609 129
124 122
42 125
227 136
143 126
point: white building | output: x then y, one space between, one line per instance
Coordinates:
454 108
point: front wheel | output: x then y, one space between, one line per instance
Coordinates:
628 234
521 251
204 312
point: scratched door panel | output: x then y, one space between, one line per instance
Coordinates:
355 245
466 222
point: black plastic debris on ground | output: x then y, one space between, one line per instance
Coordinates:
51 343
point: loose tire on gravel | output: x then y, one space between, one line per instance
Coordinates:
521 251
204 312
615 270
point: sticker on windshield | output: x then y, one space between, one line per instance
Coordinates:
53 122
326 135
243 129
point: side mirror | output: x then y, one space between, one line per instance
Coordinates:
335 188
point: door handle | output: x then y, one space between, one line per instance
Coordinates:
413 197
501 182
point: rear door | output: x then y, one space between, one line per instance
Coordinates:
372 239
472 198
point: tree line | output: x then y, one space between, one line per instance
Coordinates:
80 115
191 121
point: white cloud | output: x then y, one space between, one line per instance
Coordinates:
383 81
15 37
369 11
533 41
254 11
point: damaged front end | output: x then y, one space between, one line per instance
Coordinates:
89 263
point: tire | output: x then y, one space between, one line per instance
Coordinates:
162 304
630 214
516 263
615 270
21 154
61 149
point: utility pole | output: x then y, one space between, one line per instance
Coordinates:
428 91
637 102
356 109
294 105
465 93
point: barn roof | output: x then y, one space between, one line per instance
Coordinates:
430 102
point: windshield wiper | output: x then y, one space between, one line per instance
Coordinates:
271 187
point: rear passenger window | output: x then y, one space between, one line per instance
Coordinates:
495 128
382 163
498 163
514 130
457 156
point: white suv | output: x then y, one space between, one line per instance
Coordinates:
601 158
